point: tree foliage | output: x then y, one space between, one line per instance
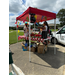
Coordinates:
61 17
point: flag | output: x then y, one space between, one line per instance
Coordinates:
18 38
16 22
19 23
27 18
45 18
42 17
18 31
17 26
35 16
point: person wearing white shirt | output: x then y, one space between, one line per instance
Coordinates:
26 33
44 30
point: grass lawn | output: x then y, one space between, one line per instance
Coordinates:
13 36
54 30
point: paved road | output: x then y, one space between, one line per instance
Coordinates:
41 64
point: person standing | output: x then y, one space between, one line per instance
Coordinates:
45 30
26 33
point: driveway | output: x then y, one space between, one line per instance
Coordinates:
41 64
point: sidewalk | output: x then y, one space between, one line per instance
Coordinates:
41 64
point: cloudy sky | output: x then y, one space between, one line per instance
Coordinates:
17 7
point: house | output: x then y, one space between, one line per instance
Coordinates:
52 26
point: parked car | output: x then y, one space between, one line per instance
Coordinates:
59 37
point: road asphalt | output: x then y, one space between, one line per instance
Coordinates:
41 64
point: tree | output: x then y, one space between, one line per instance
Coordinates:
58 25
61 17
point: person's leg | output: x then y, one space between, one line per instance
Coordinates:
45 37
27 41
42 34
45 34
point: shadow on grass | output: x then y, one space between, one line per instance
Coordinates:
54 60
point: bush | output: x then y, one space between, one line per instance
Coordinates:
14 28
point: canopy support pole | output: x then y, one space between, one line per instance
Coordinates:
17 33
55 36
29 40
34 27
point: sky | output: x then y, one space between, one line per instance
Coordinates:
17 7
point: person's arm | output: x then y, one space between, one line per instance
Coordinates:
22 44
41 27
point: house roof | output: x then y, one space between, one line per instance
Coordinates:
51 24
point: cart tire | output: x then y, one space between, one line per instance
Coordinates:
52 40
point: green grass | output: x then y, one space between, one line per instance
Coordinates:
11 30
53 30
13 36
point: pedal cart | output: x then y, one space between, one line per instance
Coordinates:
34 15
